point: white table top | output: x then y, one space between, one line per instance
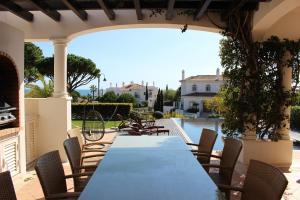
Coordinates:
161 169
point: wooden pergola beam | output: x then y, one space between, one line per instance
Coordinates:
53 14
237 4
170 10
17 10
137 5
202 10
82 14
109 13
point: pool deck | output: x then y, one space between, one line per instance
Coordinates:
28 187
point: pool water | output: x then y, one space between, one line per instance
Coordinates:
193 128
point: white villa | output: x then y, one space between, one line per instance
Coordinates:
138 91
195 90
35 126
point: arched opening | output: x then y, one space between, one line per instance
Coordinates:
9 93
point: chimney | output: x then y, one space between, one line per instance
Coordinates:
110 84
123 84
182 74
218 73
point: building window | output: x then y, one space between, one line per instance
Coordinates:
207 88
194 88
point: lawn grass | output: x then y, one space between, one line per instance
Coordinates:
108 124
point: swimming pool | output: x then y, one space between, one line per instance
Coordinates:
193 128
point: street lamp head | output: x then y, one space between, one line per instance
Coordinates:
104 79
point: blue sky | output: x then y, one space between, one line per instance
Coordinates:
150 55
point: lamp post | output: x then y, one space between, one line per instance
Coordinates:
104 79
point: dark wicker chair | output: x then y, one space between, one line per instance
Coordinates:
205 146
231 151
52 177
263 181
7 191
74 154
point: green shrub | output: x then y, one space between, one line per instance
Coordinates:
295 117
214 116
105 109
158 115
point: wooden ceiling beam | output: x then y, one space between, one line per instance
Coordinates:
42 6
17 10
236 4
202 10
109 13
137 5
170 10
82 14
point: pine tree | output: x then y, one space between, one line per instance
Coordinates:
146 93
161 98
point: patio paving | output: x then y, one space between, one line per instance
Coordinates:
29 188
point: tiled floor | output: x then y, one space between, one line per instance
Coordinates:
28 188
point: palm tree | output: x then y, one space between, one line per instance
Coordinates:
40 92
93 89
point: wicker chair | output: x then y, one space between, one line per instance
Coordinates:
263 181
230 154
7 191
52 177
76 158
205 146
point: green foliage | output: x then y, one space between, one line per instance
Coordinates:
158 115
32 56
105 109
295 117
93 89
75 95
253 94
216 104
169 95
159 102
81 71
146 93
40 92
177 95
173 115
109 97
296 99
126 98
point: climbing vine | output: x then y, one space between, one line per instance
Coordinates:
254 96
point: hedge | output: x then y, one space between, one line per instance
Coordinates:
105 109
295 117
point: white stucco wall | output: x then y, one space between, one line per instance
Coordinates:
12 43
54 120
186 86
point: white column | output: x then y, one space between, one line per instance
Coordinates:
60 68
286 72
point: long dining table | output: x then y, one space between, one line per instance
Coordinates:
150 168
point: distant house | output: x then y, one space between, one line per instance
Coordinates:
138 91
195 90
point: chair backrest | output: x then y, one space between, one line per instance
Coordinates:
206 144
231 151
207 141
7 191
73 151
76 132
263 181
51 174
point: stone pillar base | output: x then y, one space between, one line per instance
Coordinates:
278 153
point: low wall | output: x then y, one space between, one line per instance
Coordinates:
275 153
54 120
